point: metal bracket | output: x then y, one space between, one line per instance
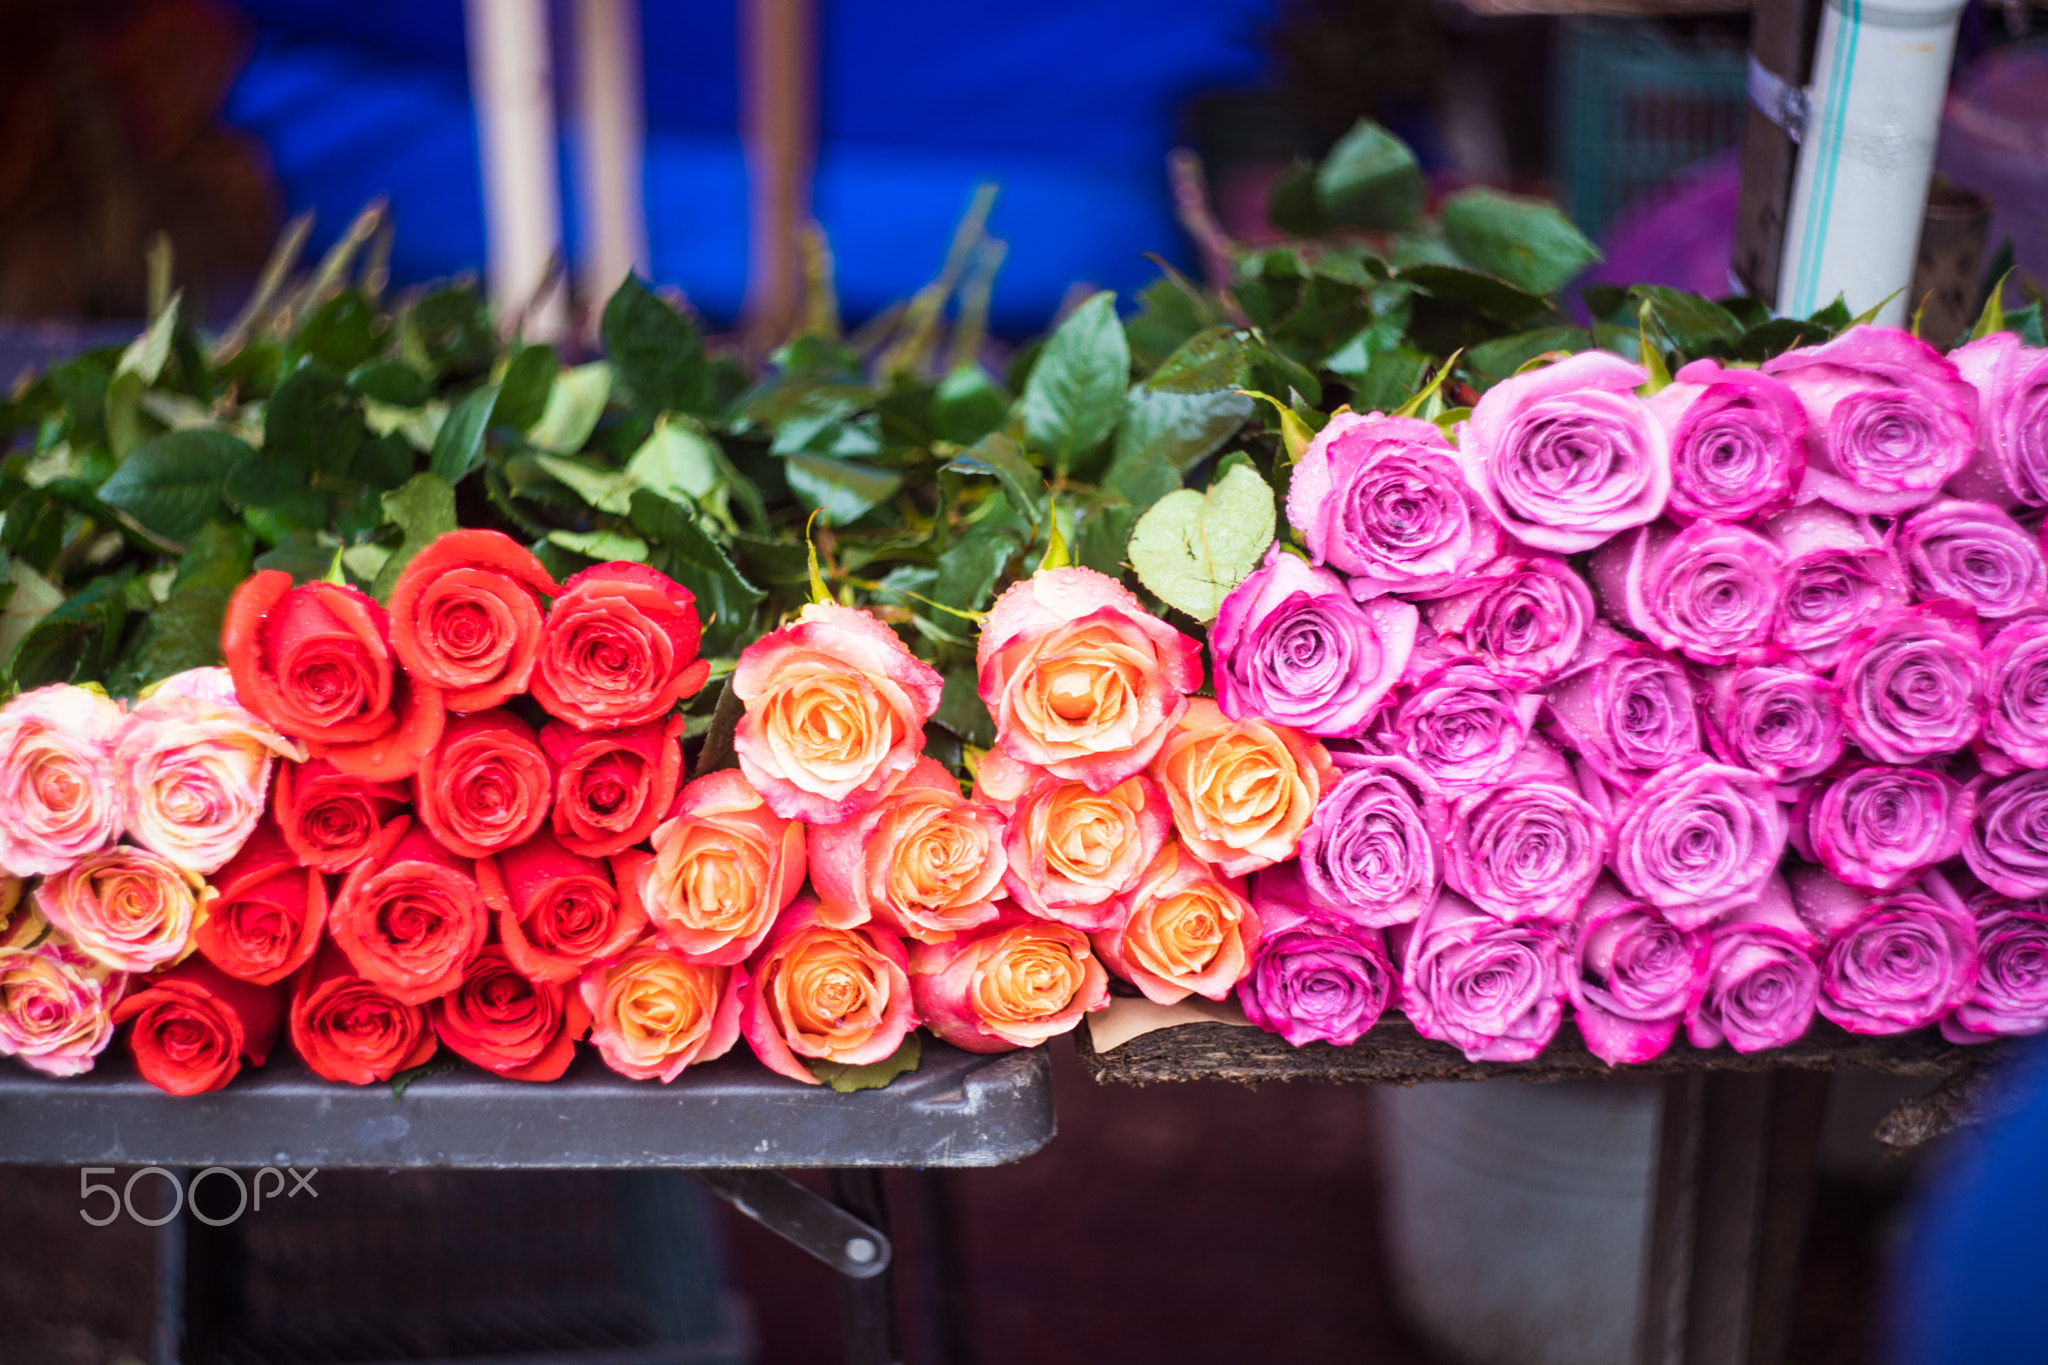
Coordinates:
805 1219
1777 99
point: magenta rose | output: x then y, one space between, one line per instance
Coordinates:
1709 591
1700 840
1458 723
1629 714
1525 619
1912 685
1880 827
1738 442
1371 851
2011 381
2011 993
1290 645
1495 991
1975 554
1891 963
2007 846
1779 722
1761 983
1836 575
1633 975
1316 977
2016 697
1529 847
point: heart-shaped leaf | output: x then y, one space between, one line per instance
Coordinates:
1192 548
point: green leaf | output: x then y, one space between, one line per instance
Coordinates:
459 444
997 456
171 484
602 546
1291 203
656 351
184 631
726 601
147 355
76 642
606 490
342 334
1527 242
677 460
1481 292
392 382
279 486
968 405
840 489
313 421
1992 319
1694 325
1056 556
524 388
973 564
1192 548
1370 180
1164 434
1497 359
1775 337
401 1082
574 404
874 1076
1425 403
300 552
1070 402
1217 359
2025 323
423 510
962 711
1869 315
1294 429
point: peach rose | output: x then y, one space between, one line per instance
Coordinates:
654 1012
125 907
56 1007
1070 852
927 862
1242 791
1080 678
835 713
840 995
724 867
60 798
1014 983
1183 931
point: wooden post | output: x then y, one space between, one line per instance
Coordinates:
1781 39
778 72
609 126
511 80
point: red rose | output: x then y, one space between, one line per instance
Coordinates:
612 787
409 915
329 818
621 648
195 1024
505 1023
485 787
315 661
351 1030
559 911
267 912
466 617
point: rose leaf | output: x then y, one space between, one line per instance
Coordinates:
171 485
656 351
1369 180
1071 401
1192 548
1527 242
874 1076
842 490
525 386
459 444
726 601
423 509
574 404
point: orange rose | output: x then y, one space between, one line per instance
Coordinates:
1071 851
724 866
655 1012
927 862
1184 931
841 995
1242 791
1016 983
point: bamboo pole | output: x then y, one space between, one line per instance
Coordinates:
511 81
779 115
610 136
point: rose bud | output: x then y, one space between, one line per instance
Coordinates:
410 916
2011 381
1633 975
1974 554
1530 847
2010 997
516 1028
1888 419
1494 991
835 713
2016 697
1372 854
350 1029
1912 685
267 912
621 648
558 911
1630 713
1709 591
1836 577
1567 455
466 617
1069 852
1183 930
125 907
1781 723
1761 982
1382 499
195 769
1291 646
1458 723
1699 841
1738 442
2007 846
612 787
1011 983
1524 619
60 794
654 1012
1241 791
56 1007
926 862
1317 977
817 991
1880 827
1893 963
315 662
485 787
329 819
724 867
195 1025
1080 678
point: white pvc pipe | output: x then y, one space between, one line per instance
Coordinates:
610 136
511 83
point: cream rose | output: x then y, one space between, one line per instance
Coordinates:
125 907
60 795
195 770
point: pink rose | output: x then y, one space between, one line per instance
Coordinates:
1880 827
1778 722
1182 931
1374 853
2016 697
724 867
1738 442
56 1007
1634 975
1891 963
926 861
2011 381
1013 982
1761 982
1709 591
1070 852
1837 576
1912 683
654 1012
2011 992
125 907
2007 846
1460 724
1494 991
1524 619
826 993
1975 554
195 770
1529 847
1699 840
1629 711
60 791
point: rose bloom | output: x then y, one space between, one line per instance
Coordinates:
1011 983
486 785
835 713
60 796
1893 963
1383 500
2007 846
1738 442
1069 852
466 616
21 924
1460 724
125 907
519 1029
2011 381
1837 576
1709 591
1761 982
1524 619
1779 722
1633 975
1080 678
1494 991
621 648
1184 930
1975 554
2016 697
315 662
1699 841
2010 996
350 1029
195 1025
410 916
1912 685
1567 455
1880 827
267 912
1372 853
1317 977
56 1007
724 867
330 819
817 991
1242 791
195 770
612 787
926 862
1630 714
558 911
1291 645
654 1012
1530 847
